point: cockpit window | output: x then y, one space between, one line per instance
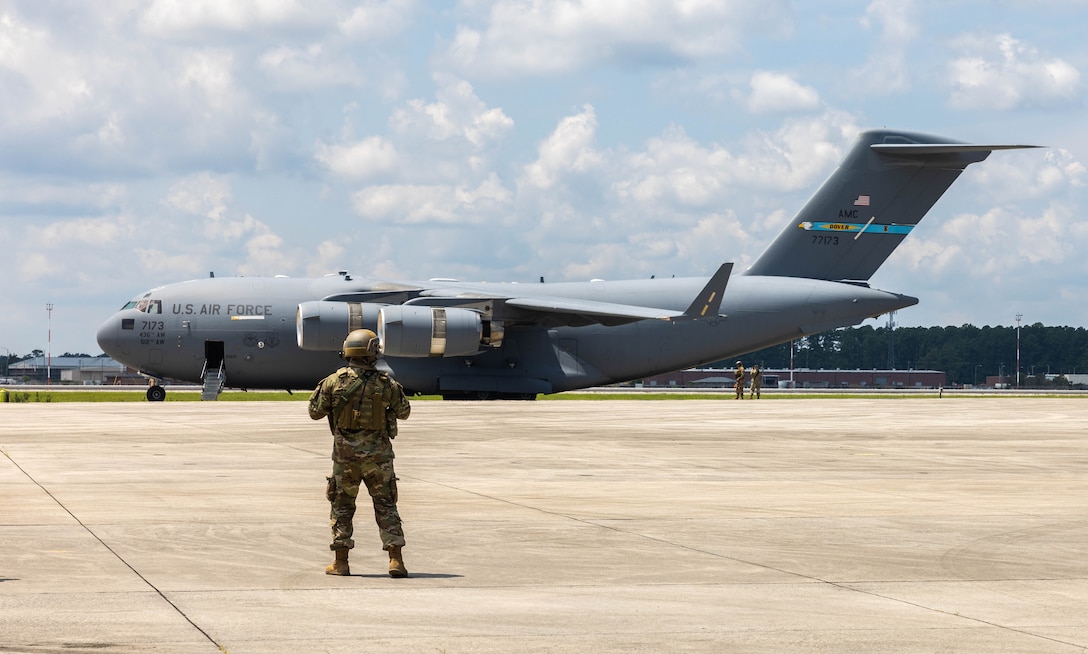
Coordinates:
145 306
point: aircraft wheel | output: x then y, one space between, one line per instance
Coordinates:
156 394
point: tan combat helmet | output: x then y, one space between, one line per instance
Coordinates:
361 344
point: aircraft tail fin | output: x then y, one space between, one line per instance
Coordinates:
881 190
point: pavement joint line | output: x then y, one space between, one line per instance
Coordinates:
959 615
834 584
112 551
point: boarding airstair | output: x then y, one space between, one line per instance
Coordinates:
213 382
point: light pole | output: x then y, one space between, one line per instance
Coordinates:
1018 317
49 346
7 361
791 365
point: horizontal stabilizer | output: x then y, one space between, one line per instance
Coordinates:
919 149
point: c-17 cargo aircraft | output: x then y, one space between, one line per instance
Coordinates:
518 340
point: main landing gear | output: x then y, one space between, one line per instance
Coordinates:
155 393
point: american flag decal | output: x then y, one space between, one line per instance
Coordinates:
862 201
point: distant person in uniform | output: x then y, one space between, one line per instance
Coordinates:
738 381
363 405
757 381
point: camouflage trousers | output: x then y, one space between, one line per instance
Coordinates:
343 489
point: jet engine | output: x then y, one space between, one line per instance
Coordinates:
323 325
420 331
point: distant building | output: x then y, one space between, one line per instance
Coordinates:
72 370
804 378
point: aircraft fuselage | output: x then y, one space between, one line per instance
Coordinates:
250 324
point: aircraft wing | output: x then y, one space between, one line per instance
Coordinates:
605 313
553 310
545 310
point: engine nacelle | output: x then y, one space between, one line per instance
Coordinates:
324 325
418 331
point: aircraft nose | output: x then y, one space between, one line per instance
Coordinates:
109 336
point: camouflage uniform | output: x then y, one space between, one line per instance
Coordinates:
738 383
757 383
362 452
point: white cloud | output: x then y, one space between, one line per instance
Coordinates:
569 149
999 72
94 232
378 19
202 195
547 37
1028 175
101 99
886 69
330 257
309 68
263 255
169 264
359 160
778 92
67 253
676 168
177 17
997 245
711 241
209 73
70 198
210 197
409 204
39 79
456 113
896 20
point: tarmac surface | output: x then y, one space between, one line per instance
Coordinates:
844 525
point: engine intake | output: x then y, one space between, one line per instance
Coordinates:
323 326
418 331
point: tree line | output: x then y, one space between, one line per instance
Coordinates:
967 354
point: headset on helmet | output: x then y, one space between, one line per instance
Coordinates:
361 343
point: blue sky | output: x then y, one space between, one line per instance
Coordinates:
144 143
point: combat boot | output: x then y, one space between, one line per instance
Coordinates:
396 563
340 565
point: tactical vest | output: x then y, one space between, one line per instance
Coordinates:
359 402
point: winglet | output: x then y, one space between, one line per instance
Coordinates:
709 300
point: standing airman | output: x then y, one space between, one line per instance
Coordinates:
363 405
757 381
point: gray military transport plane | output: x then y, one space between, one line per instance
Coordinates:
509 340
